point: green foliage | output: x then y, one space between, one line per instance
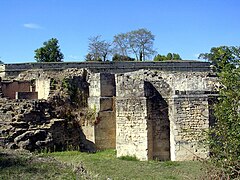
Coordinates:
129 158
104 165
118 57
50 52
224 136
100 165
170 56
222 56
23 165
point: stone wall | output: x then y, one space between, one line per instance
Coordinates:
102 101
42 86
52 124
13 70
169 110
26 95
9 88
151 110
189 120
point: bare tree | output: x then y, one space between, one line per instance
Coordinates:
98 49
138 42
141 43
121 44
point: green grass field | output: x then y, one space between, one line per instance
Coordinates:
101 165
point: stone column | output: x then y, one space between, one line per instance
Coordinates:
102 101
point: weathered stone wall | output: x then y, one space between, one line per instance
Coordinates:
146 103
42 87
26 95
101 101
149 110
54 123
9 88
158 124
13 70
131 128
189 120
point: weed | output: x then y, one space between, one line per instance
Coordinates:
129 158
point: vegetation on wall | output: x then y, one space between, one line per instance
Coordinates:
118 57
169 56
224 135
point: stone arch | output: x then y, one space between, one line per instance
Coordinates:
158 123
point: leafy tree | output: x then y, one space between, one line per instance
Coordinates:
170 56
98 49
224 136
50 52
118 57
89 57
159 58
221 56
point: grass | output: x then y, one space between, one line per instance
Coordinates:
101 165
22 165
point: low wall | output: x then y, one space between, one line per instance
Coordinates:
111 67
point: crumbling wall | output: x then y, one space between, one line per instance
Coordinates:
150 114
33 125
52 124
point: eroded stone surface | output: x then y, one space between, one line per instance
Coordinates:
144 111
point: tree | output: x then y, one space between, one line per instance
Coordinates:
224 135
170 56
89 57
138 42
141 43
221 56
118 57
121 45
159 58
50 52
98 49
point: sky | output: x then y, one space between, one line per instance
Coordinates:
186 27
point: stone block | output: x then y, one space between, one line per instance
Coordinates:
106 104
26 95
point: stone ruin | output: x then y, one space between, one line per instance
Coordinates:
151 110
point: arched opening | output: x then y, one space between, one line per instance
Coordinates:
158 124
